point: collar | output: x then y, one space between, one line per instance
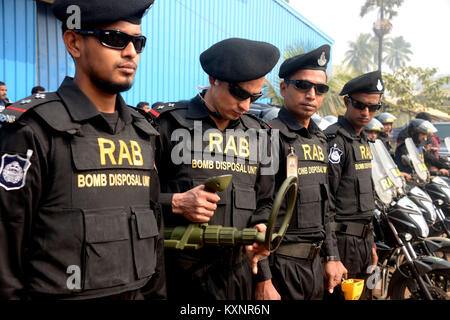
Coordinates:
348 128
197 110
294 125
81 108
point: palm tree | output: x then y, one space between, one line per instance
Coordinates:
398 51
333 103
386 11
360 54
271 90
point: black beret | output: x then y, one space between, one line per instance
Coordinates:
314 60
239 60
367 83
98 12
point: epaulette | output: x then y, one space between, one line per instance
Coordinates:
322 136
255 122
331 131
279 125
15 111
163 108
143 121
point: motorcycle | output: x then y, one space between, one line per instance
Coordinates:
435 202
398 225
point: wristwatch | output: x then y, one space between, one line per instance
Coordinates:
332 258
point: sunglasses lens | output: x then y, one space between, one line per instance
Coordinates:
321 88
114 39
139 43
241 94
119 40
305 85
361 106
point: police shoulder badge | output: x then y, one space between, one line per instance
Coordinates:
13 170
335 155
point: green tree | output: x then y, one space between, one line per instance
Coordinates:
413 88
398 51
333 103
271 90
386 11
360 54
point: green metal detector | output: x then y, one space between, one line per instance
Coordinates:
196 235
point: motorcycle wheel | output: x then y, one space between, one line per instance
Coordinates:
402 288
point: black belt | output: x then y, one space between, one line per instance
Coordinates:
307 251
353 228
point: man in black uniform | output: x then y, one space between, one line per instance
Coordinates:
296 267
352 201
79 217
205 137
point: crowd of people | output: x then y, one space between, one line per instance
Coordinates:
88 184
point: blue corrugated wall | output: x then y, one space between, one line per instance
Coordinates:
18 46
177 31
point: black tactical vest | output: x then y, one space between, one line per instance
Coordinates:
231 154
312 199
97 210
354 195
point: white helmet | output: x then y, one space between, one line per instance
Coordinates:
386 117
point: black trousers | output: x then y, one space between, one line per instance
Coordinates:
356 255
208 275
297 279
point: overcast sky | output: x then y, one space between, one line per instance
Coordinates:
424 24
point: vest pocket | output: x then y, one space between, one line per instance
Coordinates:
309 200
366 200
244 205
144 241
108 258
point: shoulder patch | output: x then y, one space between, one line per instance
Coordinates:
13 170
335 155
16 110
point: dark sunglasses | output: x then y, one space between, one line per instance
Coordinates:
361 105
116 39
305 85
242 94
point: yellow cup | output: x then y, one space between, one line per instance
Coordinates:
352 288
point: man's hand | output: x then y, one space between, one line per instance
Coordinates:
406 175
334 271
257 251
444 172
374 258
196 205
265 290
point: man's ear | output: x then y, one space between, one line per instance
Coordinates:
213 82
283 88
346 101
73 43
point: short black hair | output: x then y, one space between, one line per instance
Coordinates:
141 104
37 89
2 83
424 116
